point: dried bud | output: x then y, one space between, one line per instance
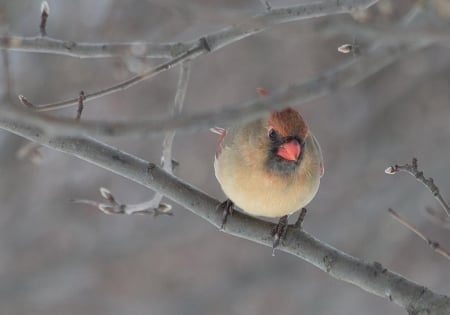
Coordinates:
45 8
345 49
390 170
164 207
106 194
24 101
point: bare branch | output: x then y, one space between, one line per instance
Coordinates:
45 11
90 50
81 99
389 33
180 95
153 206
433 244
192 53
256 24
7 75
428 182
219 39
438 217
371 277
344 75
112 206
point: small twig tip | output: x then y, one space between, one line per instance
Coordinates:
45 8
345 48
25 101
106 194
390 170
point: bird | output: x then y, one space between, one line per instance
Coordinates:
270 167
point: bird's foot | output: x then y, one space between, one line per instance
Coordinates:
279 232
227 208
298 224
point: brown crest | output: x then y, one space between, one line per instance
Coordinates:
288 122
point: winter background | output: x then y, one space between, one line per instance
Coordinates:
57 257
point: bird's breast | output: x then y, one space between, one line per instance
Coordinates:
262 193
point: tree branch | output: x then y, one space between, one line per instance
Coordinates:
226 36
216 40
344 75
45 10
433 244
190 54
6 76
372 277
177 107
413 170
49 45
153 206
390 33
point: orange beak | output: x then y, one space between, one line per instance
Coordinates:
290 150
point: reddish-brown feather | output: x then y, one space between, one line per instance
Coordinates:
288 122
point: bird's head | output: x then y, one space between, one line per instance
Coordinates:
286 135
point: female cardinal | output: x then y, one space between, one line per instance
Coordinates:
270 167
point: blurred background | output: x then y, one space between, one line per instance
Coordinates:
57 257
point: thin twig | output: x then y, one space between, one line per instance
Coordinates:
45 10
253 25
438 217
266 5
413 170
344 75
80 108
154 206
391 33
434 245
31 150
112 206
7 75
211 42
49 45
192 53
180 95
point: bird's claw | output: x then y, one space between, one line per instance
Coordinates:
227 207
279 233
298 224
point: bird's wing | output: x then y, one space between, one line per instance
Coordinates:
322 169
222 132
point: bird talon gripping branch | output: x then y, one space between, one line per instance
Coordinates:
227 208
279 232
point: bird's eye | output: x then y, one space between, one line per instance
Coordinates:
272 134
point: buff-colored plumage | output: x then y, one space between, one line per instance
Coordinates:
243 172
